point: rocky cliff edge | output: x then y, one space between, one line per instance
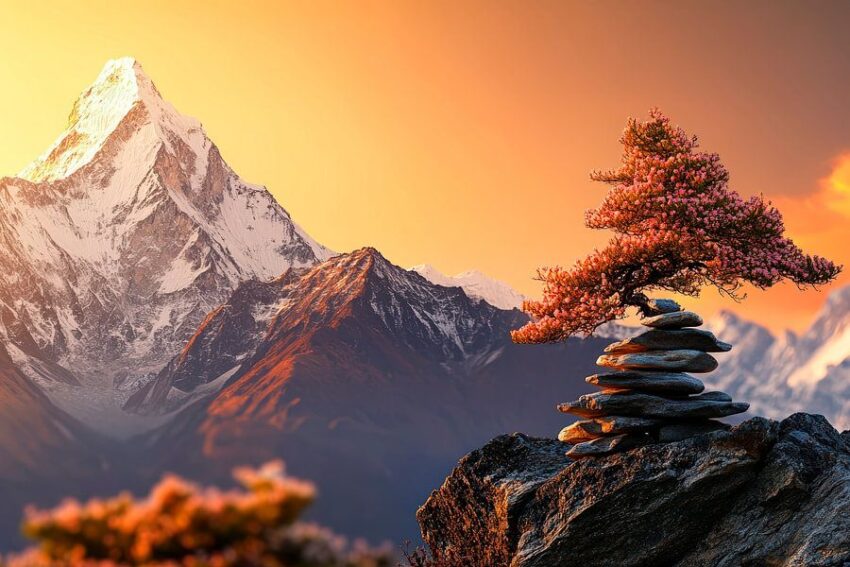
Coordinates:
763 493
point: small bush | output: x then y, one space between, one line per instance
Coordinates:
180 523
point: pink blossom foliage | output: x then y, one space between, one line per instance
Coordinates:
678 227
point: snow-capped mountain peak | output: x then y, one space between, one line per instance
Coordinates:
123 235
476 285
120 87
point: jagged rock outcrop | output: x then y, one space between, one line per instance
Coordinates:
763 493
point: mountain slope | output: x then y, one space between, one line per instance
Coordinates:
364 377
117 241
476 285
43 451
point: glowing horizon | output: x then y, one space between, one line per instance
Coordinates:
462 135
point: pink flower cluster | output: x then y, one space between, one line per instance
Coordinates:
678 228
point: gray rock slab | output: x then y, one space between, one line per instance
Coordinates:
679 431
671 383
659 306
590 429
669 339
614 424
665 360
646 405
713 396
581 431
675 320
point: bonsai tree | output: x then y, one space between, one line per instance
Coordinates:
678 227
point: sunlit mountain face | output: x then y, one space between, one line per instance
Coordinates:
363 376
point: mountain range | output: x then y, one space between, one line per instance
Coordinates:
159 313
363 377
791 373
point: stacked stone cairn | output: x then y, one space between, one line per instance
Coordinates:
649 397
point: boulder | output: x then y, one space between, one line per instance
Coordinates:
666 339
670 383
675 320
646 405
671 360
763 493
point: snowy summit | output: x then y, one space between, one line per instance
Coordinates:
121 85
476 285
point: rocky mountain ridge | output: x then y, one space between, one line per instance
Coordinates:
423 316
355 365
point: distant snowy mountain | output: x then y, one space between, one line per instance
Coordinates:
476 285
119 239
782 375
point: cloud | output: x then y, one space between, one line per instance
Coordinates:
818 216
835 188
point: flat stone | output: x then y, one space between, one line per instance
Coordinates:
671 383
679 431
581 431
669 339
616 424
713 396
674 360
675 320
608 445
608 426
645 405
659 306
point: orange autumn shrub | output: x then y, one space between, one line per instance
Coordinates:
181 523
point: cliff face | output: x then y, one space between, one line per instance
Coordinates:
764 493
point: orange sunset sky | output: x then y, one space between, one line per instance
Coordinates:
461 133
